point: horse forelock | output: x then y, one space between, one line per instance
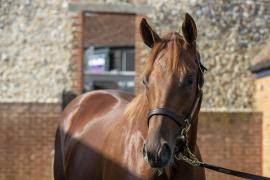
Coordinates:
171 44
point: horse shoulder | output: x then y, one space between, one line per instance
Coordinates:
85 123
92 106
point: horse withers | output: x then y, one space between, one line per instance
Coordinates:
112 135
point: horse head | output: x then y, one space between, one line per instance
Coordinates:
172 79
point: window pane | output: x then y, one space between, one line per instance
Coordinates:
116 61
129 60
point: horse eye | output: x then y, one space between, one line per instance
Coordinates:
190 80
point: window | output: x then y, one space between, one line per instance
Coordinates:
109 68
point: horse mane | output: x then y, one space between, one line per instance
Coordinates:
173 42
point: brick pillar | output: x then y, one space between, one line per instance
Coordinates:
262 97
261 67
77 52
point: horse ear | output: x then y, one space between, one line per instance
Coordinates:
148 35
189 29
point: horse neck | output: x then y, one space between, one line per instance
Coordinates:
136 113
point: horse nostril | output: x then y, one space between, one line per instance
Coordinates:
144 151
165 152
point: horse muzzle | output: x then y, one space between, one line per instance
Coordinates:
157 158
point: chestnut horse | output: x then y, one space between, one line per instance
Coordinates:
109 134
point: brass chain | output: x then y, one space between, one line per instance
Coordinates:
187 156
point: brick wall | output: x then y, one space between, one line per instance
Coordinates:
232 140
27 131
109 29
263 104
26 140
76 66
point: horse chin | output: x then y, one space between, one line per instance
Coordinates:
160 170
157 165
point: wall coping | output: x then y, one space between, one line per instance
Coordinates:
110 8
32 107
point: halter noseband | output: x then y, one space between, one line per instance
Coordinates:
179 120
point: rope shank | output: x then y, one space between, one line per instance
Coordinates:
233 172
